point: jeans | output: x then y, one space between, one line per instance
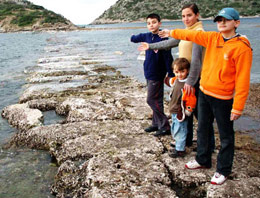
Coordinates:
208 109
155 101
179 132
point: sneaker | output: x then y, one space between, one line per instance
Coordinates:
174 153
194 165
151 129
218 179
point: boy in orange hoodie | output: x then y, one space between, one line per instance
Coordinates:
224 87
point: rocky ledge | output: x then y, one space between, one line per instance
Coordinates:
101 148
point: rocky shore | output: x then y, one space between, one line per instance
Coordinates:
101 148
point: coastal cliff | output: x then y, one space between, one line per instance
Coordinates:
22 15
137 10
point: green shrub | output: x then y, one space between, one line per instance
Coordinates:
24 19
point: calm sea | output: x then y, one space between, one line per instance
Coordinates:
29 173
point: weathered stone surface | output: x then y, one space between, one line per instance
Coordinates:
124 174
111 138
239 188
44 136
43 104
22 117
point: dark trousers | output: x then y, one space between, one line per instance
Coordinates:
190 123
208 109
155 101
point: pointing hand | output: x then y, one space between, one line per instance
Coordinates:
144 46
164 33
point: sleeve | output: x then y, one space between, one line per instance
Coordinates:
171 81
167 81
243 67
164 45
138 38
195 66
199 37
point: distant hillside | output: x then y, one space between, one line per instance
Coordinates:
136 10
22 15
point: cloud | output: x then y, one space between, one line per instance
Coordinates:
77 11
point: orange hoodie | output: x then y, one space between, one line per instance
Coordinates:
226 67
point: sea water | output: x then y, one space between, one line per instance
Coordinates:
29 173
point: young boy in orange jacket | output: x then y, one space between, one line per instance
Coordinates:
224 87
181 105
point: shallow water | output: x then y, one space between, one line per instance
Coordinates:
25 173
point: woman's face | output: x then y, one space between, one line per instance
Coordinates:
189 17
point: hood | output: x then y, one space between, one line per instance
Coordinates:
244 39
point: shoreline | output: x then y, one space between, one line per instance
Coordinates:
86 28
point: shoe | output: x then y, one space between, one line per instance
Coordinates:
194 165
172 144
162 132
218 179
174 153
151 129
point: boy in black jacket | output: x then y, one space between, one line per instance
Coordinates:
156 65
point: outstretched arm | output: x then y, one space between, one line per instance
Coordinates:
195 68
164 45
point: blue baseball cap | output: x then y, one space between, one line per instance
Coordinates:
228 13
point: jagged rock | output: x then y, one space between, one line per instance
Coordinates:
22 117
123 174
249 189
52 135
43 104
108 137
71 104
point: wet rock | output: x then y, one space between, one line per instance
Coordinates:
52 135
49 90
43 104
22 117
71 104
66 78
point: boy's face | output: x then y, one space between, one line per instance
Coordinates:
153 25
180 74
227 26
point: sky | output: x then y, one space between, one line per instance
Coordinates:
79 12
